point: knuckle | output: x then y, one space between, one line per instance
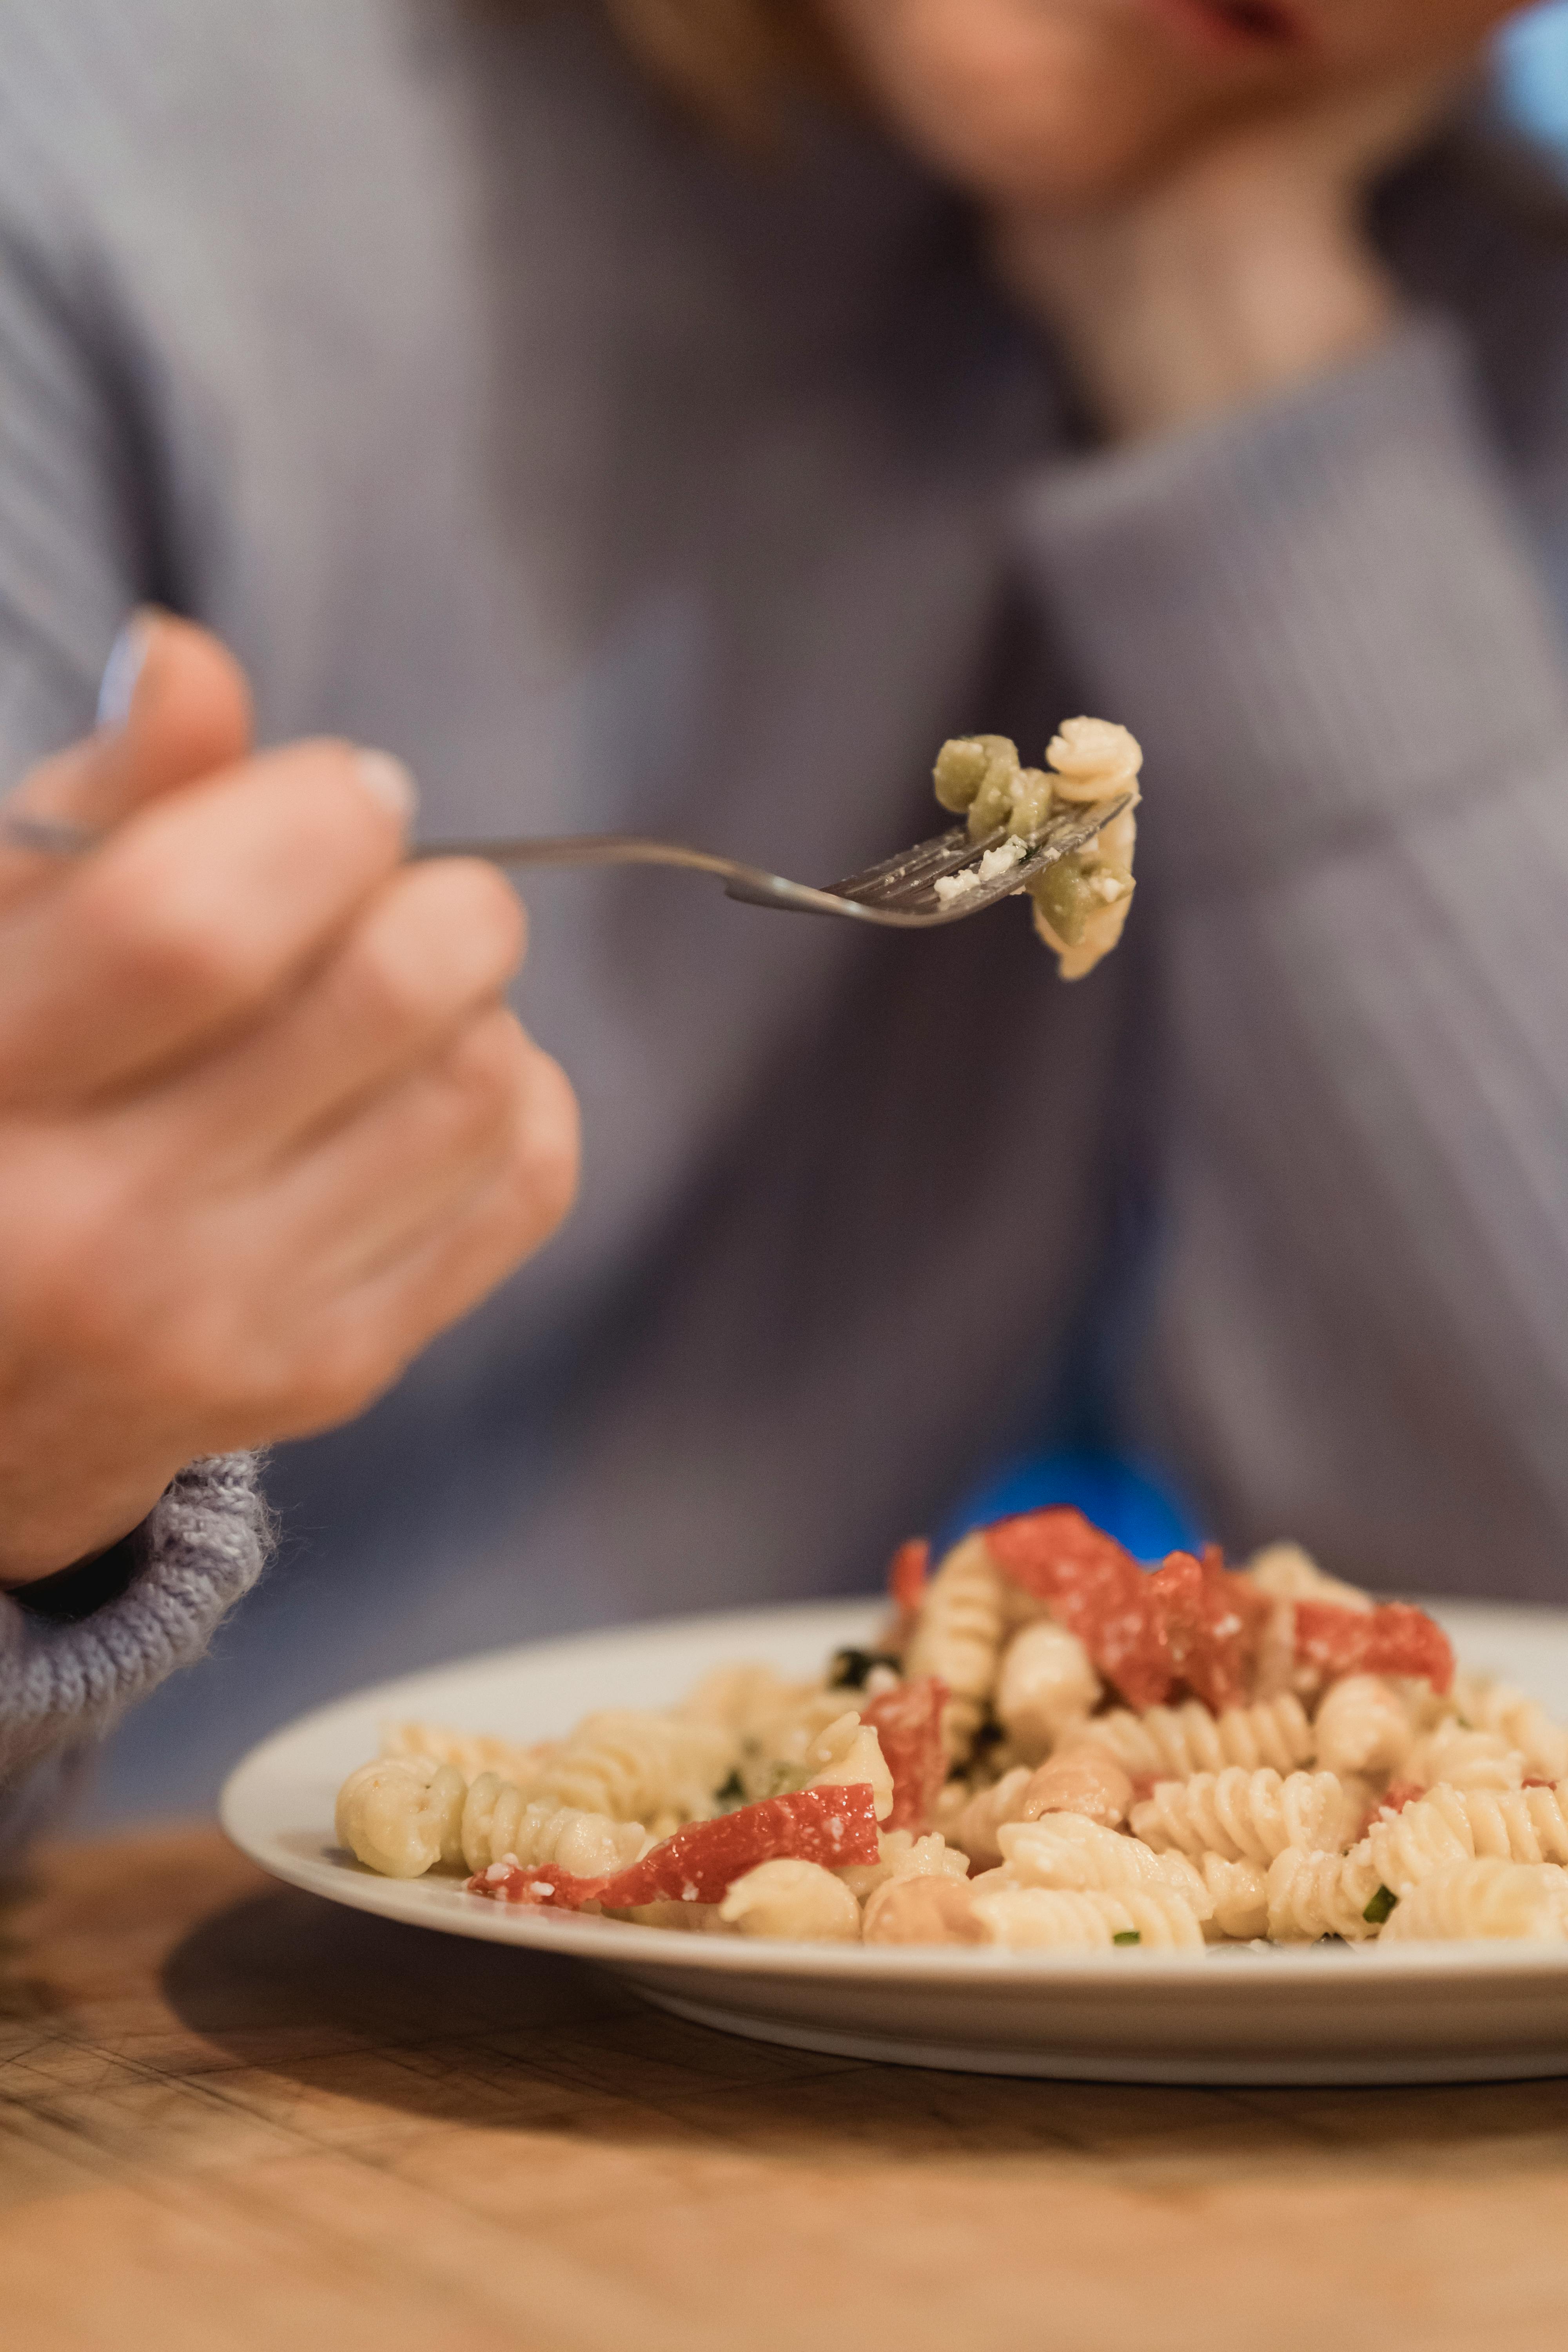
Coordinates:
466 923
548 1147
496 904
480 900
483 1073
389 984
444 938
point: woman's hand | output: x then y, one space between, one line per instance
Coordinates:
1243 270
265 1123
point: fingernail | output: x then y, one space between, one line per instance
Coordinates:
390 783
117 689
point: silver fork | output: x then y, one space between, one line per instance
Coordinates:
900 892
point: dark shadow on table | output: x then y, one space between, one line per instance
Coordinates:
436 2028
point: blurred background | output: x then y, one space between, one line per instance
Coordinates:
1532 75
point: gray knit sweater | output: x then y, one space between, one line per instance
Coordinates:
614 480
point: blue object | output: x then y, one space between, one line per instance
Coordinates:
1531 55
1131 1503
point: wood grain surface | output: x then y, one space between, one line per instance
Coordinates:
234 2116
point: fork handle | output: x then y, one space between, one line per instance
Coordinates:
583 849
56 838
751 884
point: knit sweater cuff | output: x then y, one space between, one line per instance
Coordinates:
203 1547
1321 613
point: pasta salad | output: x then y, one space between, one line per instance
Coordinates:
1049 1747
1081 901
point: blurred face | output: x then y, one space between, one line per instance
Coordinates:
1060 102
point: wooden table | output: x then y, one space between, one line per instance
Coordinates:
233 2116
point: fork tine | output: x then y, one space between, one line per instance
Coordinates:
944 853
906 885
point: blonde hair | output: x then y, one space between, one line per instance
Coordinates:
729 61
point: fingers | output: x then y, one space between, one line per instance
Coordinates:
177 708
378 1184
456 1223
383 1326
197 914
434 947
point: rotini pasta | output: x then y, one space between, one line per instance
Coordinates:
958 1639
901 1854
1175 1741
1362 1727
1313 1895
744 1699
1066 1851
1080 901
500 1821
469 1752
1240 1894
1450 1826
639 1767
977 1828
1035 1918
775 1747
798 1899
926 1910
1035 1729
1463 1759
403 1815
1485 1704
1046 1684
1086 1780
1245 1816
1486 1897
848 1755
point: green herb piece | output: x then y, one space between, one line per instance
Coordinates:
1128 1936
730 1793
1378 1909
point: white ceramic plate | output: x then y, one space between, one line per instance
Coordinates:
1437 2013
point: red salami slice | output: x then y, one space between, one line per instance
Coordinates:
908 1724
699 1864
908 1572
1189 1623
1392 1640
1212 1623
1092 1587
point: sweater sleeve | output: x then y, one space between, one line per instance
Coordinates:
63 1685
1330 620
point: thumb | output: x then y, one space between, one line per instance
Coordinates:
174 707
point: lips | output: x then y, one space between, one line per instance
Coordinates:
1233 27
